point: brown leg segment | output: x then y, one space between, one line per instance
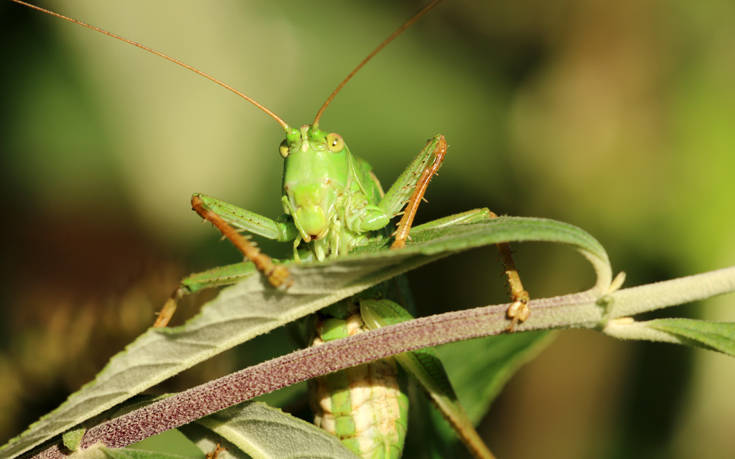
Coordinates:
404 226
168 309
214 454
517 312
277 275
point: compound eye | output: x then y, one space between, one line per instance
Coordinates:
335 142
283 149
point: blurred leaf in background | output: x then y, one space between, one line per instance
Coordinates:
614 117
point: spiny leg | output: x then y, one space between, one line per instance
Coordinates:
211 278
214 454
244 220
277 275
166 313
404 225
462 218
518 311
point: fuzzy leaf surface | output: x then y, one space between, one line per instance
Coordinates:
717 336
264 432
251 307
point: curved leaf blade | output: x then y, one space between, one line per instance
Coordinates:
479 368
134 453
716 336
264 432
252 307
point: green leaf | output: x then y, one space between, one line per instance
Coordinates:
73 438
252 307
716 336
93 452
265 432
134 453
479 368
207 441
172 442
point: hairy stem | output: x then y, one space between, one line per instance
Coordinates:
591 309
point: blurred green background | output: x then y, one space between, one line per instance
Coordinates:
616 117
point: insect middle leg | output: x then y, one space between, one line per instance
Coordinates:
404 225
417 176
411 185
518 311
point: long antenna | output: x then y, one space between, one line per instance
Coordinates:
160 54
385 42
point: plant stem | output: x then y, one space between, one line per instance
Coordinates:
589 309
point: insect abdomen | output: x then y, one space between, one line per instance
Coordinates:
364 405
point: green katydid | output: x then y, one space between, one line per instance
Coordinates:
333 204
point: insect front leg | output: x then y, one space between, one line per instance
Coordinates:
277 275
245 220
230 219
